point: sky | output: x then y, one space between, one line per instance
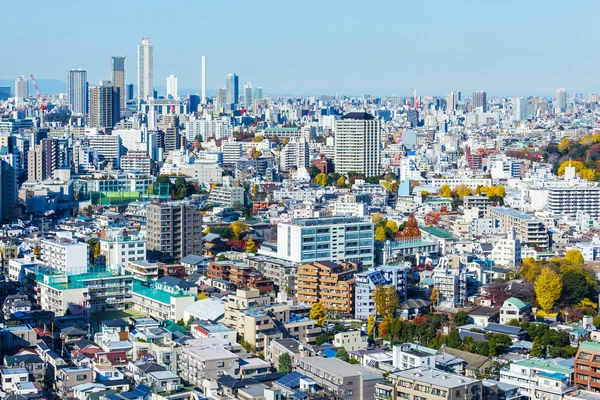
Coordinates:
380 47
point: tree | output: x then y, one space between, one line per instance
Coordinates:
222 257
322 338
435 295
150 189
284 363
370 325
460 318
596 321
386 301
537 350
392 226
411 230
36 252
453 339
317 312
377 219
575 287
383 328
574 257
548 288
380 234
530 269
564 145
251 246
343 355
513 322
445 191
463 190
321 179
341 182
499 343
239 227
202 296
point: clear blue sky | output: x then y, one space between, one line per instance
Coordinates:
508 47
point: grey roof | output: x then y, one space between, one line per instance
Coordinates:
415 303
341 368
175 282
192 259
434 376
208 309
359 115
506 329
484 311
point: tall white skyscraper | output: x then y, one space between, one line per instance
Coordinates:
451 102
248 95
203 79
357 144
561 100
21 88
145 86
172 87
519 109
77 90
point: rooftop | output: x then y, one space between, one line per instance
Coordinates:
341 368
436 377
513 213
359 115
545 366
326 221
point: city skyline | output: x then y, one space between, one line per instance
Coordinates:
450 48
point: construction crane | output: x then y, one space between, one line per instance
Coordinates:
41 101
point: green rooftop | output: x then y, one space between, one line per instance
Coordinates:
59 282
154 293
437 232
545 366
517 303
590 346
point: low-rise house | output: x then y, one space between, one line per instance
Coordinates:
472 365
34 364
484 315
69 377
251 367
12 376
527 374
410 355
162 381
413 308
351 340
197 363
514 308
293 347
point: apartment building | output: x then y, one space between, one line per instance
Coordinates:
358 144
293 347
282 273
174 230
477 202
351 340
451 283
324 239
529 230
410 355
367 281
530 374
227 195
120 250
136 161
343 380
240 275
167 298
66 255
212 361
330 283
428 383
587 366
571 200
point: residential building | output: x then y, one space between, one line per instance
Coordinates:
232 151
283 274
530 374
240 275
587 366
358 144
330 283
514 308
568 201
104 105
367 281
136 161
174 230
507 252
120 250
12 377
351 340
66 255
21 88
69 377
108 147
227 195
529 230
451 283
332 239
350 382
166 298
77 91
293 347
410 355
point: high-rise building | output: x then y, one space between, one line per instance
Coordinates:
77 90
129 92
172 87
480 101
561 100
42 160
519 109
5 92
258 93
203 79
174 230
145 87
248 95
21 88
451 102
8 178
221 98
357 144
104 106
117 77
232 90
193 102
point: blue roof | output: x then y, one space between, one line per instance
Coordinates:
299 395
476 336
553 375
509 330
291 380
329 353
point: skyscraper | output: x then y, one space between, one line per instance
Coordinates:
258 93
221 95
357 144
117 76
561 100
145 87
172 87
104 107
203 79
21 88
451 101
77 90
248 95
232 90
480 101
519 109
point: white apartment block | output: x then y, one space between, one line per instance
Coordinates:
351 340
324 239
162 301
204 173
226 195
569 200
207 128
120 250
451 284
138 161
108 146
358 144
67 256
507 252
454 181
410 355
232 151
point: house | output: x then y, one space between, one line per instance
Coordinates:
114 330
291 346
12 376
410 355
30 361
69 377
295 385
351 340
250 367
163 380
413 308
484 315
141 369
72 334
514 308
473 365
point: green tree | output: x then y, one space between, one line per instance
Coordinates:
548 288
284 363
596 321
453 339
322 338
317 312
342 354
513 322
461 318
537 350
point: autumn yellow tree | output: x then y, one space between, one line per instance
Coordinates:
150 189
392 226
435 295
370 325
386 301
596 138
341 182
250 245
377 219
317 312
574 256
321 179
499 191
202 296
548 288
530 269
380 234
564 145
445 191
463 190
239 227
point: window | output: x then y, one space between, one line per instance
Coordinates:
458 393
349 392
349 383
81 377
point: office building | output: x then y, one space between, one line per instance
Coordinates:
5 92
519 109
330 283
357 144
8 194
480 101
172 87
119 249
145 85
231 91
561 100
77 91
248 95
21 88
104 105
129 92
258 93
118 77
452 102
174 230
108 147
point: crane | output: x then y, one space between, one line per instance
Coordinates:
41 100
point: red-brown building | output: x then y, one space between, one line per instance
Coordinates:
239 274
587 366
